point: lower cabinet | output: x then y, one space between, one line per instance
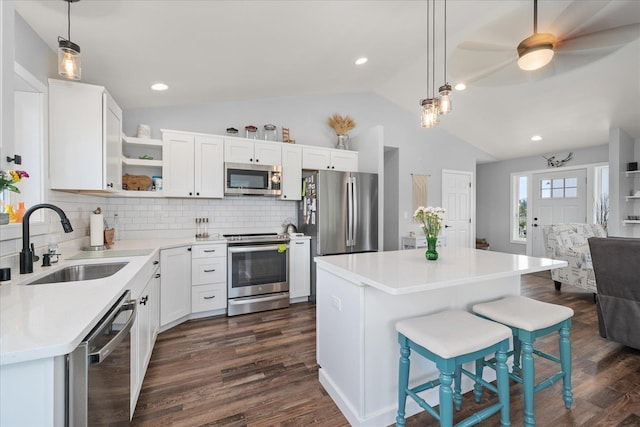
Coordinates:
146 292
299 268
208 278
175 286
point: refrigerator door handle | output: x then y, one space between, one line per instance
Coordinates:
349 211
354 223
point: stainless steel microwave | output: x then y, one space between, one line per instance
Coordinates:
261 180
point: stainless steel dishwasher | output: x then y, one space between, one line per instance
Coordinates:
99 370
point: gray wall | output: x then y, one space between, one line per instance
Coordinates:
494 187
425 151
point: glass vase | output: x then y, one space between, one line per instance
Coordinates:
431 254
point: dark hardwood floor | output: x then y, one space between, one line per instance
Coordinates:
260 370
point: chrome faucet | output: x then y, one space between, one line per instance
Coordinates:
27 255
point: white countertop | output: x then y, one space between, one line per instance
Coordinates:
38 321
406 272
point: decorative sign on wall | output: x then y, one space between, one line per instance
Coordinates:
553 163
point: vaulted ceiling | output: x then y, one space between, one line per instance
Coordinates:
211 50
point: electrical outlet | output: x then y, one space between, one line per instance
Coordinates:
336 303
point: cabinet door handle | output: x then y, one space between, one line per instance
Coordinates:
156 262
190 193
144 299
257 160
209 250
250 160
211 297
299 243
110 184
157 276
197 194
210 271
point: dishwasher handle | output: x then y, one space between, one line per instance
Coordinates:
101 354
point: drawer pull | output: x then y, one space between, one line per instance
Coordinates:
157 276
209 250
156 262
299 243
210 271
211 297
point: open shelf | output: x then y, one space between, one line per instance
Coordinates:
141 162
631 221
632 198
633 173
142 142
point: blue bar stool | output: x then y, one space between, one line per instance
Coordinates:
449 339
528 320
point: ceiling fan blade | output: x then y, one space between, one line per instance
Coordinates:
470 61
611 38
575 16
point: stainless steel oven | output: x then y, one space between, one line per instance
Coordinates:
258 273
98 371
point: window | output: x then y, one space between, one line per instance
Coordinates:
561 188
519 191
601 196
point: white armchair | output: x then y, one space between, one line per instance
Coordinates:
568 242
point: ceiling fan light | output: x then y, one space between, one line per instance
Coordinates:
535 57
445 98
69 60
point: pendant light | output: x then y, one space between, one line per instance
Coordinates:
69 59
535 51
432 106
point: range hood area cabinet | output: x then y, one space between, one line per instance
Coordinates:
256 153
85 145
193 165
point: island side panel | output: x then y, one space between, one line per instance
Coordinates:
339 320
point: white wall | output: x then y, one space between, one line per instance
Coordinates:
493 193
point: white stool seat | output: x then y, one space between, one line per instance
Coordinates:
523 313
452 333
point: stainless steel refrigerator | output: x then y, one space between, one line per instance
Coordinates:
339 210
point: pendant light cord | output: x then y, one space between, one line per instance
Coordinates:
69 20
535 16
428 80
445 41
433 41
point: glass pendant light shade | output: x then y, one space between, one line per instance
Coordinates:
69 60
445 98
429 115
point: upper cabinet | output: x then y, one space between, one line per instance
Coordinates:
85 148
291 172
192 165
247 151
318 158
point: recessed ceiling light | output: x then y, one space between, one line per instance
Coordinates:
536 138
159 87
460 86
361 61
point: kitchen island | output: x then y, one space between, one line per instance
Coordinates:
361 296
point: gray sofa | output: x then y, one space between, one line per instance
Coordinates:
616 264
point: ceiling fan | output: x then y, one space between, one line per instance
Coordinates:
583 32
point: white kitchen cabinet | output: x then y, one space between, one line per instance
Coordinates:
193 165
208 278
145 329
291 172
319 158
299 268
85 128
175 284
248 151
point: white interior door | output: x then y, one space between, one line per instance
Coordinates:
456 200
558 197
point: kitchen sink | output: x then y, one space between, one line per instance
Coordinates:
81 272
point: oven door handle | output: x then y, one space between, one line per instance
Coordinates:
99 356
240 301
260 248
